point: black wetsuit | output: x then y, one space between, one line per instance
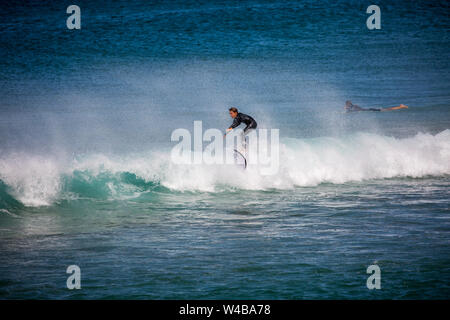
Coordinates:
249 122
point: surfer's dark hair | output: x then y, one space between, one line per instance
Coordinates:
233 109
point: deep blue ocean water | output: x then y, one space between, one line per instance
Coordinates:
86 179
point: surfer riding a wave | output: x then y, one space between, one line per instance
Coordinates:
250 124
239 118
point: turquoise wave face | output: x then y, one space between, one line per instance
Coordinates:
6 200
105 185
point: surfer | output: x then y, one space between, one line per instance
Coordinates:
239 118
350 107
250 124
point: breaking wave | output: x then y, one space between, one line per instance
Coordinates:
33 180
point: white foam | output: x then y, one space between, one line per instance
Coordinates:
309 162
34 180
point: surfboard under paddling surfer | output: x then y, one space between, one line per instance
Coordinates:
250 123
